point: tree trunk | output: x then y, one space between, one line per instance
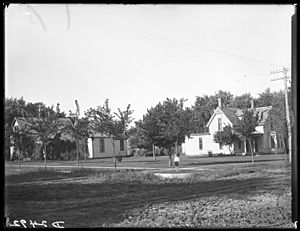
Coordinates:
85 152
153 147
114 155
284 146
245 146
170 158
19 161
45 155
250 145
77 152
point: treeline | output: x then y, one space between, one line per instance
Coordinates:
164 125
15 107
46 133
167 124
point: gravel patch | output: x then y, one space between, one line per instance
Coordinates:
233 210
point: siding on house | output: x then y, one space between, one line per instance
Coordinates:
94 147
269 125
269 129
191 145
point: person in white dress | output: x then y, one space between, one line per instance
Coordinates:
176 161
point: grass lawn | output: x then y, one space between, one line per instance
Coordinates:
160 162
222 197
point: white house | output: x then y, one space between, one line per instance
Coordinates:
265 140
100 145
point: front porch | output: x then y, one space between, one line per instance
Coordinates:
271 142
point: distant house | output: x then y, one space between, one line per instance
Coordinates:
100 145
266 139
20 123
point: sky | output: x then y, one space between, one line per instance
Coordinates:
142 54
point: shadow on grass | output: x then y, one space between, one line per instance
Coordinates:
91 205
231 162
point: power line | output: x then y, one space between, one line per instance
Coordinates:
263 84
114 26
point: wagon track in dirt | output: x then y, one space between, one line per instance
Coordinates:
150 194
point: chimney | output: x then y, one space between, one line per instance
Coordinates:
219 103
252 103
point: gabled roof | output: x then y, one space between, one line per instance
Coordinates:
23 122
102 135
228 112
263 113
233 114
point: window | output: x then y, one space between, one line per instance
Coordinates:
280 141
102 149
220 124
122 147
271 124
200 144
272 142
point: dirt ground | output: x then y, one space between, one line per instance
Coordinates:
210 198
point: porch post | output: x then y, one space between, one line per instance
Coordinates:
276 145
90 147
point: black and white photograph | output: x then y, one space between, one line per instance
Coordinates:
150 116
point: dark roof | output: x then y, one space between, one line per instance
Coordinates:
233 113
263 113
23 122
101 135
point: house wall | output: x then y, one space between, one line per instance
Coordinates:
266 146
213 126
191 146
238 148
263 140
108 148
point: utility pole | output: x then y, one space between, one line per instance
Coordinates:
285 77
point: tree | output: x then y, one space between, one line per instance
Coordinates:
137 137
243 101
278 112
202 111
167 124
246 127
13 108
79 129
265 98
20 108
225 96
44 129
227 137
23 143
204 108
104 122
